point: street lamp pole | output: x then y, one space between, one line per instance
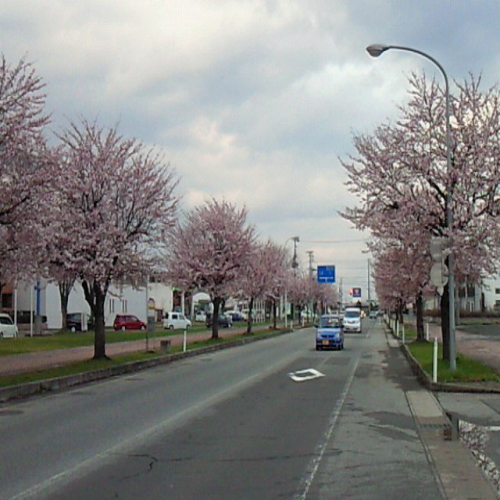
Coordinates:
376 50
294 266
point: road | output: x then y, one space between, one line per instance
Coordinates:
226 425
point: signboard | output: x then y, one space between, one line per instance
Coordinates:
151 307
326 274
356 293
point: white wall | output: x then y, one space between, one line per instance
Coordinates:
120 300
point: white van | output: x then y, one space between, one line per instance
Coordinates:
176 321
352 319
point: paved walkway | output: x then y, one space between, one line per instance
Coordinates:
22 363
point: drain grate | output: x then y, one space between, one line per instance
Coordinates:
435 426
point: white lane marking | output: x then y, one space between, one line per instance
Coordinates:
308 374
320 449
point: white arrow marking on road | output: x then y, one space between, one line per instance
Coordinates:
303 375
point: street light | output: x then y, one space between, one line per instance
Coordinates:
294 266
376 50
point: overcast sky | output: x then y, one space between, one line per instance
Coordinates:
252 101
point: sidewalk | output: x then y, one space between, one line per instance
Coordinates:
475 411
40 360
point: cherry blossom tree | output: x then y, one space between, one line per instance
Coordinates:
264 277
401 179
210 250
300 290
400 271
113 206
22 144
324 297
23 162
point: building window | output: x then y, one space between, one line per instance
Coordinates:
124 306
497 291
7 301
111 305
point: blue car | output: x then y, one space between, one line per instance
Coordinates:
329 333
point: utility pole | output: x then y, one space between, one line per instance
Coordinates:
369 297
310 253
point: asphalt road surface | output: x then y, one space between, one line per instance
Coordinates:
252 422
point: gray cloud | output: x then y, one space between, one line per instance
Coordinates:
251 100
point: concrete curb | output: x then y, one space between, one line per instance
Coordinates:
61 383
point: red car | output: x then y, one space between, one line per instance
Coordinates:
128 322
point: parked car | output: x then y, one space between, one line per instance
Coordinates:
236 315
74 322
329 332
176 321
224 320
7 327
128 322
200 316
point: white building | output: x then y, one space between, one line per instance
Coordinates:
483 298
123 299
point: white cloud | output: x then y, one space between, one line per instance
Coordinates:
250 100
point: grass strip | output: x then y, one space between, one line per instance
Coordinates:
68 340
93 364
468 370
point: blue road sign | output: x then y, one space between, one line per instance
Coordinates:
326 274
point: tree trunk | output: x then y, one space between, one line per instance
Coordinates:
274 314
65 287
419 309
100 331
249 319
96 297
215 318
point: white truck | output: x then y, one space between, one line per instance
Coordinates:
352 320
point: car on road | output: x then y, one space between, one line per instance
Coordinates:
352 320
128 322
74 322
329 333
7 327
176 321
373 314
224 320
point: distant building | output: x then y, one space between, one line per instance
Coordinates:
119 300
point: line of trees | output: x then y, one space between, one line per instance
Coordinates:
215 249
94 206
400 177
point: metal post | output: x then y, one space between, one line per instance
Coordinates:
435 361
375 50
